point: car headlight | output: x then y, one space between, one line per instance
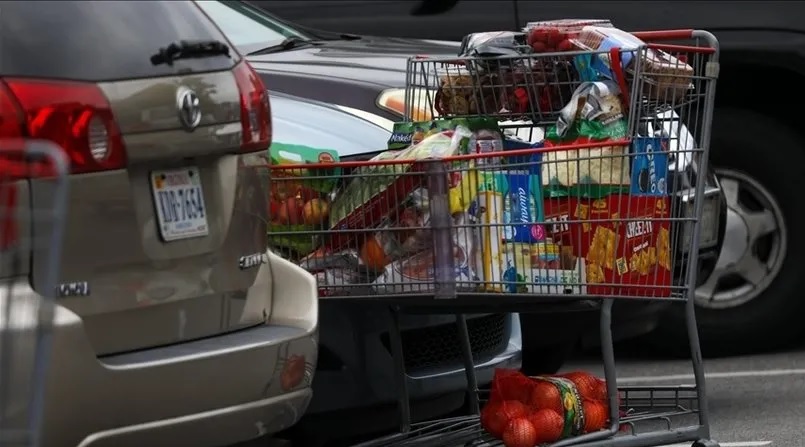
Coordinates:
420 103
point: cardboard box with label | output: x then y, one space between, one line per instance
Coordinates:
624 242
543 268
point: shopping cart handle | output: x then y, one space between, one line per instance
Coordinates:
673 34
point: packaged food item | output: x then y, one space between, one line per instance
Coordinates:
456 94
390 243
413 224
555 270
555 35
681 143
489 209
320 180
514 395
668 76
479 90
323 259
522 207
649 166
337 281
543 268
628 252
516 267
417 273
378 190
594 114
298 197
486 138
405 134
493 43
522 88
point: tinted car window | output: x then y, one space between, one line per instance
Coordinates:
246 27
101 40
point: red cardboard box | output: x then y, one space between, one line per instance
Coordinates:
627 252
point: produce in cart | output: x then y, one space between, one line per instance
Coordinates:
299 197
556 407
554 35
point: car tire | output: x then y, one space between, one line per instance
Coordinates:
752 147
542 360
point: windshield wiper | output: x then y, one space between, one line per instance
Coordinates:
185 49
287 44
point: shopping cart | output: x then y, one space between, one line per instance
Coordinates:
30 172
609 206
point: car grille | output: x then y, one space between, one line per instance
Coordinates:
439 346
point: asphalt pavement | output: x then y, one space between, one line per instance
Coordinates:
754 400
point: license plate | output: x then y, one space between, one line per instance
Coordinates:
179 203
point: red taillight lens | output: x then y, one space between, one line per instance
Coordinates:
255 111
74 115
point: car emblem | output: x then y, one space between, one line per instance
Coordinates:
187 103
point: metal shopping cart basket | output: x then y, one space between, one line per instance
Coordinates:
30 172
543 180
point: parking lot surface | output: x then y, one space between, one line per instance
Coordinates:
755 401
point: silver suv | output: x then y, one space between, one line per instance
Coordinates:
173 320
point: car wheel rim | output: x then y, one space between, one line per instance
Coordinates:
754 247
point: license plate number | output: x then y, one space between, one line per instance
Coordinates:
179 203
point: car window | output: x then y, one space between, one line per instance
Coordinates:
247 27
101 40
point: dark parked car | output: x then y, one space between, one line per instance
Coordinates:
757 281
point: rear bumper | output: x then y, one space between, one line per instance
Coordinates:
208 392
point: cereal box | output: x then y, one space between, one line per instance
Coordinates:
628 252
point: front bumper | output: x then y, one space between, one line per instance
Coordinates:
356 367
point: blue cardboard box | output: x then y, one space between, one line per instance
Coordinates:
523 208
649 166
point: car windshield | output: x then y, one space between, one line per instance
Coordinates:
248 28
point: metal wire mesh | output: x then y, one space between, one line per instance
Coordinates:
645 410
568 217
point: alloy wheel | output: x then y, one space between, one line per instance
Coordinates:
754 247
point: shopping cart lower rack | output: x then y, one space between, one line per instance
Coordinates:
652 409
603 200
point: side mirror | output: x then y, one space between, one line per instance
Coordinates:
433 7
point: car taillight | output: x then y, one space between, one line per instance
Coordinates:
76 116
255 111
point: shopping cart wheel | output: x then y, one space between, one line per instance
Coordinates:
705 443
